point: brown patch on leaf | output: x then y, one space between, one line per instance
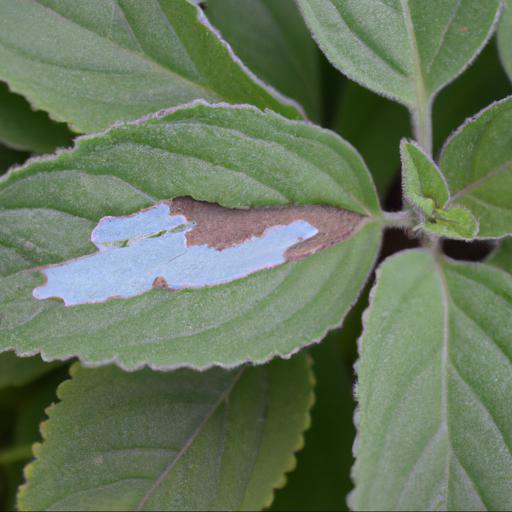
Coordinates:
220 227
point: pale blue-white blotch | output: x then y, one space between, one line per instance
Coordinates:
153 248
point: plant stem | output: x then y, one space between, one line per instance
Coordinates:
422 122
16 454
402 219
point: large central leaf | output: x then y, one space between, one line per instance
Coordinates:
435 381
118 60
237 157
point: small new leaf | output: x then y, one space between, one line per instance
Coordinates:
423 183
453 222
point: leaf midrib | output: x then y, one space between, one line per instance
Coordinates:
222 397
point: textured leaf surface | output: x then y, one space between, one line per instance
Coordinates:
170 441
505 38
17 371
111 61
454 222
435 380
237 157
404 49
477 164
375 125
502 256
272 40
423 184
482 83
22 128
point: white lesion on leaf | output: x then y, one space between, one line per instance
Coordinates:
183 243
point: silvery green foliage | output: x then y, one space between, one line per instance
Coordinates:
505 38
434 374
170 441
435 380
206 152
112 61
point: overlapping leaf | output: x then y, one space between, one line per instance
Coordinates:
111 61
271 38
237 157
170 441
502 256
435 380
477 164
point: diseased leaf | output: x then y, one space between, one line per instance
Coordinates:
435 380
119 60
174 441
24 129
424 185
18 371
404 49
502 256
271 38
505 38
375 125
236 157
477 164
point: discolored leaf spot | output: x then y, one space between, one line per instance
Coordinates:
183 243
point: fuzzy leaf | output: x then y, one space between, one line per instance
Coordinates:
173 441
502 256
454 222
23 129
477 164
404 49
435 380
18 371
111 61
237 157
271 38
505 38
423 183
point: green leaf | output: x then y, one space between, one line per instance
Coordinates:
502 256
111 61
375 126
423 183
271 38
481 84
404 49
454 222
477 164
174 441
18 371
10 157
435 380
505 38
237 157
23 129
